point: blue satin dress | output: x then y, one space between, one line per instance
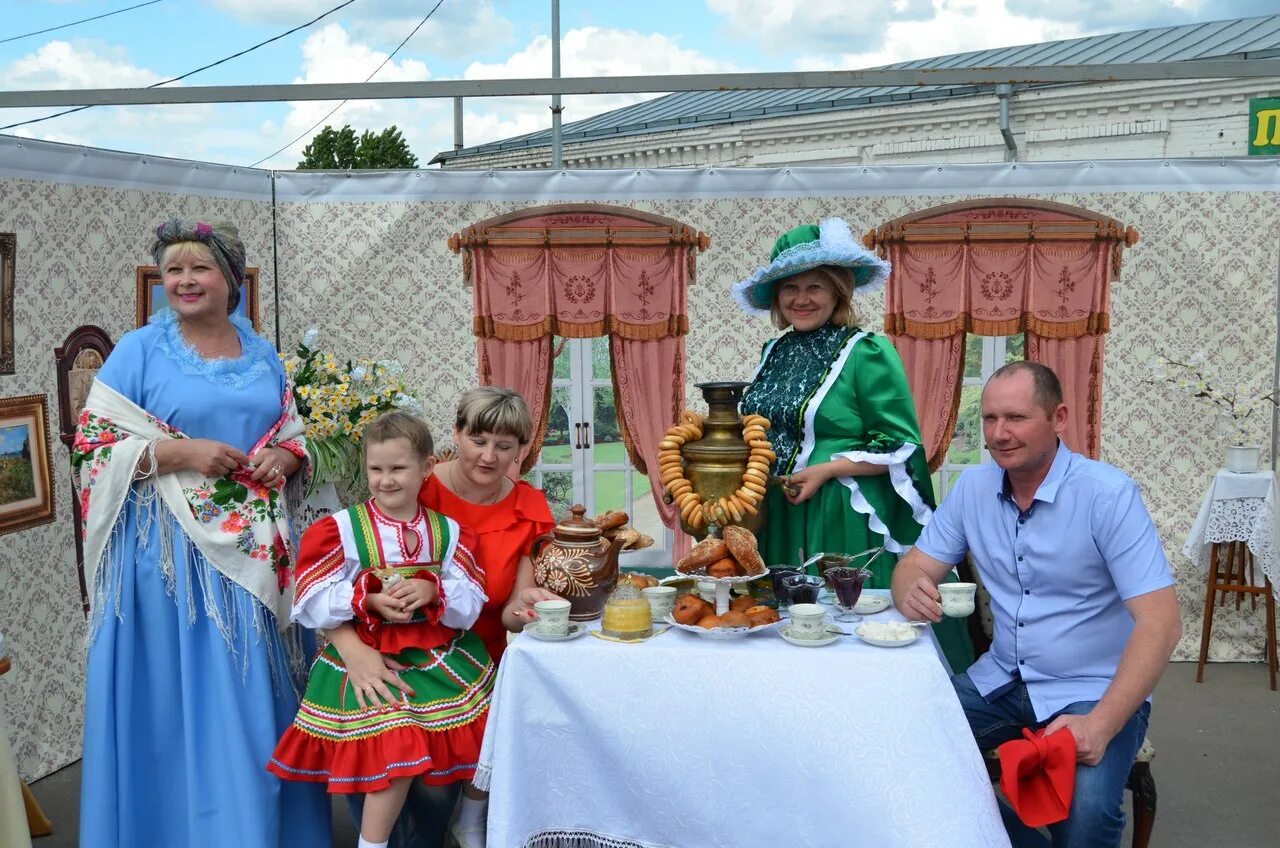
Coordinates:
189 684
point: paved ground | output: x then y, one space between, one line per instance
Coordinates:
1217 766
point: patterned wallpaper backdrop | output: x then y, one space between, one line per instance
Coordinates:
377 277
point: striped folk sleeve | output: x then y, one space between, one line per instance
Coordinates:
461 580
320 560
464 557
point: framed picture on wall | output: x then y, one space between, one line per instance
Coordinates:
26 486
8 247
150 295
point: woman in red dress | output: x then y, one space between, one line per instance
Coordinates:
492 426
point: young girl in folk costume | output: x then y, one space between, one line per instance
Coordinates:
402 691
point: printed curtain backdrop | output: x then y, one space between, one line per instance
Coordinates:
582 272
999 268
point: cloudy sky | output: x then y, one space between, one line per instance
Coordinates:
480 39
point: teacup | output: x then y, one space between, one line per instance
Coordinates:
662 600
957 598
553 618
808 621
707 591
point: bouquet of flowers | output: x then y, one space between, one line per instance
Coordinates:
337 399
1193 376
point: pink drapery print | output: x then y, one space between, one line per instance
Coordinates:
934 369
578 275
524 367
643 370
583 272
997 268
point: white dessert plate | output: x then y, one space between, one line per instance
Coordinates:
862 629
833 633
871 604
576 629
718 632
866 605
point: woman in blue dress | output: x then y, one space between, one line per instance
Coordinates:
188 437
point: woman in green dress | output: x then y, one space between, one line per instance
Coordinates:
843 423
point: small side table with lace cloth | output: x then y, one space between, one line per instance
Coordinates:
1235 540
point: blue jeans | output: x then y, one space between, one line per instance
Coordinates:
1096 818
424 820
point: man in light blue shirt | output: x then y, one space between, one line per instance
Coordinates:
1085 614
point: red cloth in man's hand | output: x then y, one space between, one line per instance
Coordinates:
1038 775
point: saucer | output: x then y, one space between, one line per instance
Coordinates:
871 604
833 634
576 629
886 643
866 605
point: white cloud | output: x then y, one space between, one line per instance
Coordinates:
778 26
1110 16
584 52
187 131
454 29
275 11
958 26
330 55
78 64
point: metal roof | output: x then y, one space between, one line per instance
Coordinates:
1241 38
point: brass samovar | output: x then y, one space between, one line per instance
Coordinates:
714 464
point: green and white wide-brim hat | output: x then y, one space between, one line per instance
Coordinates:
798 250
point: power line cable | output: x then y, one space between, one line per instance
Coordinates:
197 70
81 21
366 79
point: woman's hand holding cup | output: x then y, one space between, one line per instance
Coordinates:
523 609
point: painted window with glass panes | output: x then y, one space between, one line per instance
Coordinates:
583 458
982 356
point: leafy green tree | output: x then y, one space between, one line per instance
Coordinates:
335 150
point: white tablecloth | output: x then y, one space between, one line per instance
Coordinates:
1239 508
686 742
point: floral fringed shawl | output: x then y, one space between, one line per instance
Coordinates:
239 525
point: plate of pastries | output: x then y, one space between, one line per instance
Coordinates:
744 617
734 558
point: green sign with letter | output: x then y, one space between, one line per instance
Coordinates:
1264 126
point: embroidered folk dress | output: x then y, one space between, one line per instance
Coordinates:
841 392
505 532
435 733
187 684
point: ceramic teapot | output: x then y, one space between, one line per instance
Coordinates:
577 563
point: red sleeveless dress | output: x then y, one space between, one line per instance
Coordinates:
506 531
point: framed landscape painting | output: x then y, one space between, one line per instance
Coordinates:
26 486
150 295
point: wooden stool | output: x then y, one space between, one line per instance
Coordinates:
1231 570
